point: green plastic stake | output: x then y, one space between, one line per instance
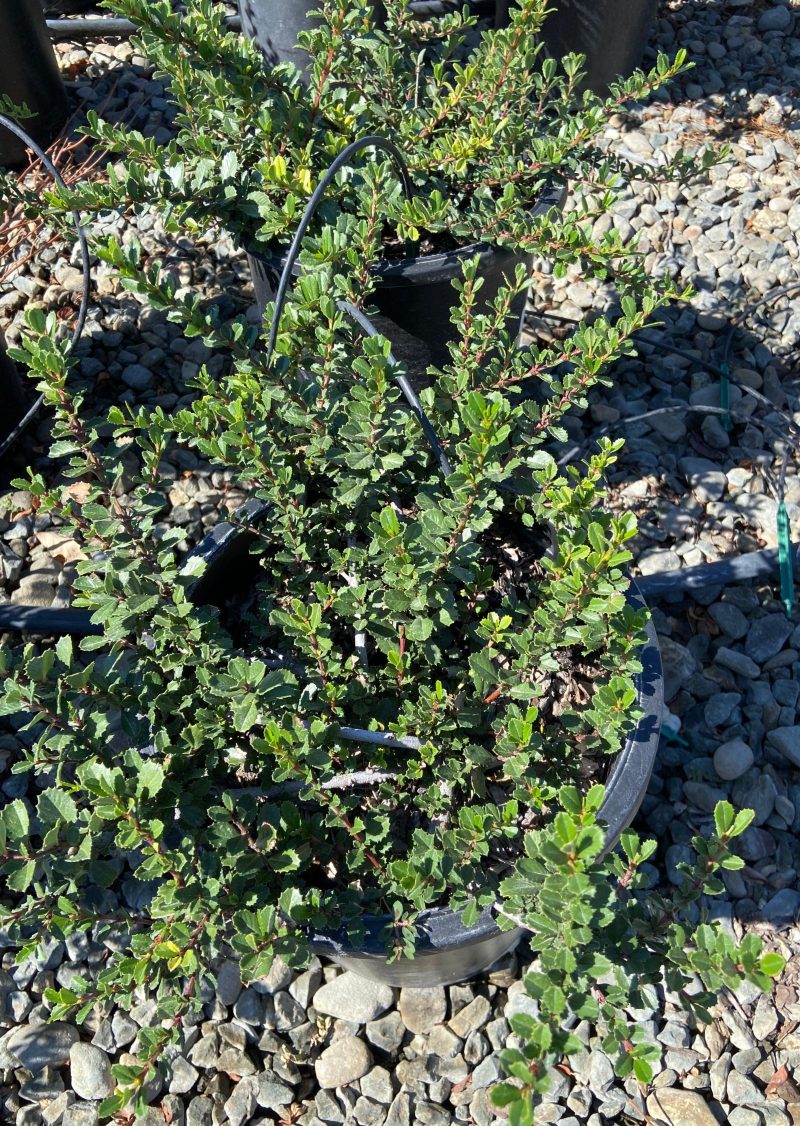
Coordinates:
725 396
672 736
785 559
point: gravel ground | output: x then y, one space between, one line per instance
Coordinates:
324 1047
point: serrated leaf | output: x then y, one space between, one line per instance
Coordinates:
17 820
229 165
56 805
19 874
151 778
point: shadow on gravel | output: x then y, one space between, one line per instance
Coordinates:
717 34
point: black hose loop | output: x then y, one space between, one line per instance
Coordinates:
15 128
343 158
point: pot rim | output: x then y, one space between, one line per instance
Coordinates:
552 195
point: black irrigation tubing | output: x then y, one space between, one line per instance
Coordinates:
405 386
738 321
721 370
99 28
35 619
109 28
344 157
732 569
83 309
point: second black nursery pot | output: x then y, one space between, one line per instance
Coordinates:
417 294
29 75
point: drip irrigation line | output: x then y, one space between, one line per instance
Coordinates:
768 298
722 371
792 443
83 308
110 28
36 619
293 252
102 28
361 318
732 569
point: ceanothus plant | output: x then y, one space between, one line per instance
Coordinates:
485 122
468 606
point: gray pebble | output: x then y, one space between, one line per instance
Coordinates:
775 19
679 665
288 1014
241 1105
80 1114
387 1033
271 1094
786 740
733 759
37 1046
742 1091
705 478
353 998
703 796
378 1085
137 377
343 1062
737 662
183 1077
90 1072
730 619
783 908
719 708
742 1116
767 637
472 1016
422 1009
249 1007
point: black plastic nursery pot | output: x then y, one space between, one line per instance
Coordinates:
612 34
416 294
273 25
29 75
447 951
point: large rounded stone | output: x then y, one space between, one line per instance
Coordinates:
674 1107
36 1047
90 1072
733 759
353 998
346 1060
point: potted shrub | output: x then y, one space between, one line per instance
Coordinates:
490 129
406 703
